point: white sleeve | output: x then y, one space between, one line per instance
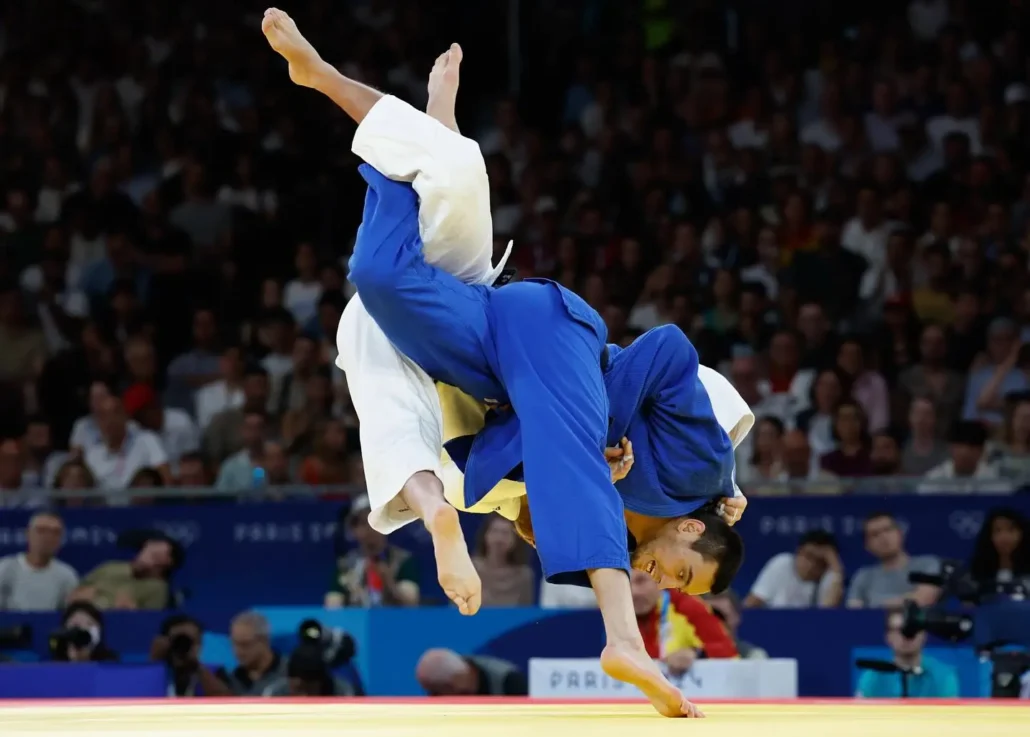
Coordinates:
156 454
770 579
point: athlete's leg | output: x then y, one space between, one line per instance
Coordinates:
309 70
550 364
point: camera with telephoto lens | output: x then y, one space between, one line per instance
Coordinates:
179 647
66 637
337 646
16 638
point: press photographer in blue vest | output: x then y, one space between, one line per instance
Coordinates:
914 675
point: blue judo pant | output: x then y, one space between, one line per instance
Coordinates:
529 344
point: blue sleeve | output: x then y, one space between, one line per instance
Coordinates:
659 367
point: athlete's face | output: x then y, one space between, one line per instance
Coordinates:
670 559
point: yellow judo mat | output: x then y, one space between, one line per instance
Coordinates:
427 718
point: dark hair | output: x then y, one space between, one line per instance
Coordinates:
863 433
984 563
878 514
516 555
722 544
176 620
85 607
777 425
818 537
253 368
967 432
148 474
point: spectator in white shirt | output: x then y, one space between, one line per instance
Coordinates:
866 234
302 293
179 434
226 393
956 119
881 123
811 577
968 471
86 430
564 596
36 581
123 451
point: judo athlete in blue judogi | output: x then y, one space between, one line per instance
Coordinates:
540 349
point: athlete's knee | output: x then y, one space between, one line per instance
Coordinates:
467 167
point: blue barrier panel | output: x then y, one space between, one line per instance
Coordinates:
81 681
390 641
282 554
974 677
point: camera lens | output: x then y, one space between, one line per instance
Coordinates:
180 645
78 637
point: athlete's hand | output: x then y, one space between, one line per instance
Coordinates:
731 508
620 459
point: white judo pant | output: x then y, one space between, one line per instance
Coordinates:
401 422
398 406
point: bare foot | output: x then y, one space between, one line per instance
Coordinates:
284 37
443 87
457 575
635 667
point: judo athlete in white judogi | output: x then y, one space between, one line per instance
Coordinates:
415 143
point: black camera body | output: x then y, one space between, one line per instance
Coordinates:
67 637
179 647
336 646
18 637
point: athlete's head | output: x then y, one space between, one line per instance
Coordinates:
697 554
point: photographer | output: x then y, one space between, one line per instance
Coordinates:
81 637
308 675
178 647
916 676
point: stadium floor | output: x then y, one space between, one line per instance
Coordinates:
499 718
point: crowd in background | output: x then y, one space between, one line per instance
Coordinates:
841 225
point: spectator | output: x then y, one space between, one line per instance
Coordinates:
86 430
565 596
500 560
82 636
197 367
1001 553
292 393
923 451
927 678
817 420
226 393
175 429
123 451
278 332
885 455
677 629
74 476
931 378
445 673
22 347
245 469
137 584
1003 374
177 646
1013 457
260 668
36 581
328 465
868 388
886 584
727 607
799 473
301 294
41 461
765 463
851 458
193 471
224 433
375 573
13 492
299 425
968 470
812 576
